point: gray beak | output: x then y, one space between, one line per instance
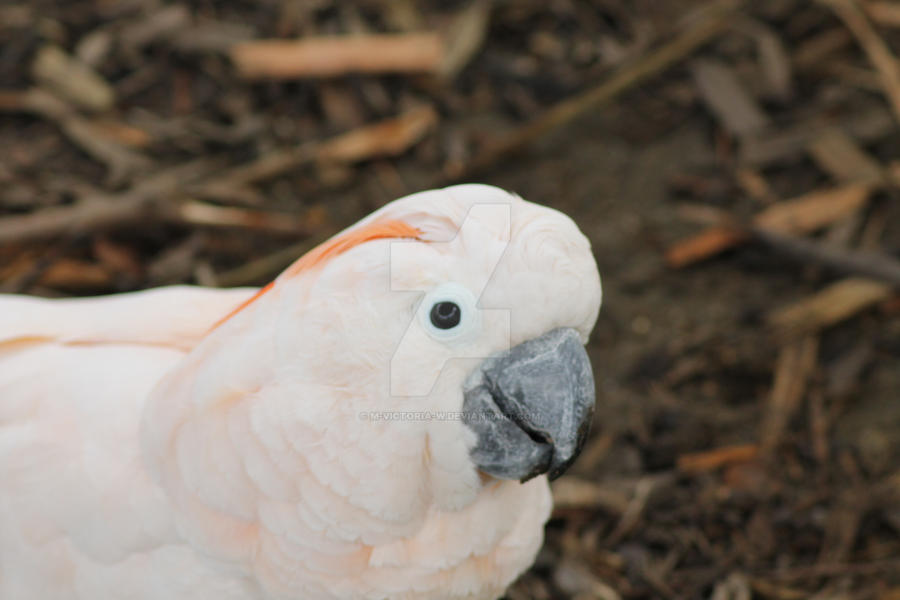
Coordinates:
531 407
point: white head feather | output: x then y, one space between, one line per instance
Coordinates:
301 425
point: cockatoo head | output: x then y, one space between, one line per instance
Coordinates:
452 322
361 423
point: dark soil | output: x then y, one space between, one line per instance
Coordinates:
701 479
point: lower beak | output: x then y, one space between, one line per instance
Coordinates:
531 407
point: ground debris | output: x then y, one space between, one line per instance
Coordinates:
727 98
747 433
332 56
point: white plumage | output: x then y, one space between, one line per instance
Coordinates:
154 445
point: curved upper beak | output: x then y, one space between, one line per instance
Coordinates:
531 407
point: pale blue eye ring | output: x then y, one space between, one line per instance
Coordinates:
449 312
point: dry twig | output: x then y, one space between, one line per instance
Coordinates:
723 92
707 27
842 158
833 256
710 460
794 367
790 144
91 137
101 210
72 79
389 137
465 37
831 305
883 12
878 52
800 215
331 56
573 493
204 214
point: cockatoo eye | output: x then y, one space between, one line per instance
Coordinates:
448 312
446 315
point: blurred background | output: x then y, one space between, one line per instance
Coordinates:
736 166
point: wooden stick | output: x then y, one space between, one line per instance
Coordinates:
708 243
727 98
710 460
384 138
332 56
388 137
883 12
570 492
814 210
464 37
850 262
810 53
795 366
792 143
833 304
886 565
100 210
72 79
799 215
878 52
710 25
840 156
120 160
211 215
803 214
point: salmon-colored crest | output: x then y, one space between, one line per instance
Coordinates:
322 253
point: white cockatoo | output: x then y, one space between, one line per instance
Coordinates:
380 422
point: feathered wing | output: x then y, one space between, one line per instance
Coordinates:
75 500
176 317
254 431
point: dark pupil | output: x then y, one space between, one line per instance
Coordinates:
445 315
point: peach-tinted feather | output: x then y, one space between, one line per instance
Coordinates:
338 245
318 256
143 457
